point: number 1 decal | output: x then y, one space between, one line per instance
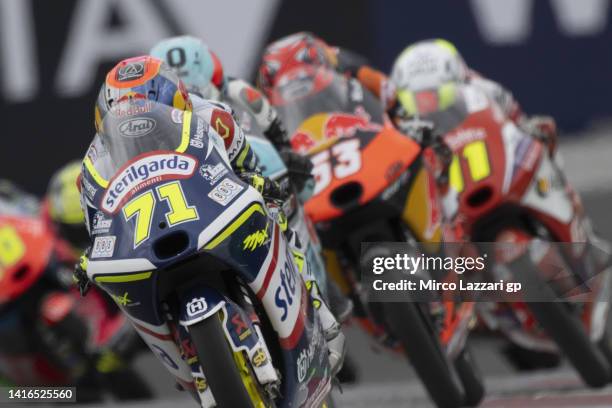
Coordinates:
12 248
142 208
478 164
348 162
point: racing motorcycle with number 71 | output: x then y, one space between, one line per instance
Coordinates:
208 278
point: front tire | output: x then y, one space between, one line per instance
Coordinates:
408 325
471 378
563 326
219 365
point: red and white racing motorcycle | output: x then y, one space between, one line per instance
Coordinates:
506 187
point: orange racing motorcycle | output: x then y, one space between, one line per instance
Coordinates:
374 184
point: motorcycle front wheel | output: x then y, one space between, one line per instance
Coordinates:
563 326
408 325
227 373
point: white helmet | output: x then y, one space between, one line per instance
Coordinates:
427 65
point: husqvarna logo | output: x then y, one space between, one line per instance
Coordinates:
147 170
195 306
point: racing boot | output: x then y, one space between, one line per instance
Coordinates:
336 341
340 305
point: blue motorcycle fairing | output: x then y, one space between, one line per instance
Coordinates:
200 303
233 227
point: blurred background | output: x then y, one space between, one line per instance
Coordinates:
553 54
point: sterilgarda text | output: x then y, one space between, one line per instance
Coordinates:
151 168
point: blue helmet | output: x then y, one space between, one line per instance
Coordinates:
192 60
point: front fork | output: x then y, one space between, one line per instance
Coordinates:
242 330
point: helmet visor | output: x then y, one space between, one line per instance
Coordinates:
138 126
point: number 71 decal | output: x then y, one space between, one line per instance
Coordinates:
142 208
348 162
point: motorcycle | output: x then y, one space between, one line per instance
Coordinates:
507 188
47 335
208 279
374 184
273 167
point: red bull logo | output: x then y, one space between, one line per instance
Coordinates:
346 124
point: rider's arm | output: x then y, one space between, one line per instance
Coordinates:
540 126
499 94
372 79
243 94
221 119
239 151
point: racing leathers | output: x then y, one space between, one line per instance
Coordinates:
239 93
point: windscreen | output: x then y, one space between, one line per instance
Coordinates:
138 126
446 107
304 92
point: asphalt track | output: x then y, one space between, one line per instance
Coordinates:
386 379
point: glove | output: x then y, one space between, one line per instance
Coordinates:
277 134
543 128
268 188
80 275
299 168
421 131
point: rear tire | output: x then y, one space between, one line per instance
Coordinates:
471 378
407 324
217 361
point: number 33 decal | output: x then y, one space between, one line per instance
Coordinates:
347 158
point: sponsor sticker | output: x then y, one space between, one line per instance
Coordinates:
197 140
196 305
137 127
223 123
462 137
259 358
130 71
124 300
90 190
132 110
307 355
225 191
256 239
213 174
101 224
103 247
145 171
177 116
